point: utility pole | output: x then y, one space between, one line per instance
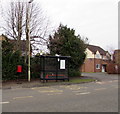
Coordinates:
28 29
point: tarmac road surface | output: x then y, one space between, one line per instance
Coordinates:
101 96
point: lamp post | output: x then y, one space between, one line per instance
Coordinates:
28 28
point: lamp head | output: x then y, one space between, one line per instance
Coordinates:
30 1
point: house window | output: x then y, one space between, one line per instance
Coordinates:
97 66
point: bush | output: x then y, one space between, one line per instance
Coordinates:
10 60
74 73
35 67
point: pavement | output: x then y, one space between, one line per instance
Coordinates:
37 83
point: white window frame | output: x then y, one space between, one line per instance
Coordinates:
97 66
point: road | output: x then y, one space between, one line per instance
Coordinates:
88 97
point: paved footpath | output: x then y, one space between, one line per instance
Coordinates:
34 83
101 96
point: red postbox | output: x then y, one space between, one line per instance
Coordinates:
19 68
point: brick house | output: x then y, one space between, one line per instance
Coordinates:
96 60
115 66
116 56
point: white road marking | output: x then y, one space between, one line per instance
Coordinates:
76 91
100 82
50 91
83 93
115 80
55 94
4 102
105 82
40 87
112 81
22 97
100 89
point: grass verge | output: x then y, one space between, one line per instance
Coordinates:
81 80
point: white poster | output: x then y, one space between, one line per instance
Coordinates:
62 64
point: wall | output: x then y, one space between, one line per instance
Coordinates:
113 68
89 54
95 59
90 65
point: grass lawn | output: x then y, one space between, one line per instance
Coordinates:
81 80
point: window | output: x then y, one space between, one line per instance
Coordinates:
97 66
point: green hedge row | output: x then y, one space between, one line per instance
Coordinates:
10 60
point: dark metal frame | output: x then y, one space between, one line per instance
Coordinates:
55 73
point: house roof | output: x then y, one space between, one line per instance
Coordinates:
22 46
22 43
94 49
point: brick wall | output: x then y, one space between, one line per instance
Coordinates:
90 65
113 68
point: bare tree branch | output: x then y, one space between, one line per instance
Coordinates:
17 19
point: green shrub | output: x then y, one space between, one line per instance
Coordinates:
10 60
35 67
73 73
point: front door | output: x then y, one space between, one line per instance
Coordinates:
103 68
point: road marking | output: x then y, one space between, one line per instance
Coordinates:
22 97
100 89
55 94
50 91
110 81
76 91
4 102
75 88
113 81
40 87
100 82
83 93
105 82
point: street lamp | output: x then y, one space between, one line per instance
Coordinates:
28 28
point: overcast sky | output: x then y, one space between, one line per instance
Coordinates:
95 19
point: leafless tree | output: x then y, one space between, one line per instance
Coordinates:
17 17
14 22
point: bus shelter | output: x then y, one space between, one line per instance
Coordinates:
54 68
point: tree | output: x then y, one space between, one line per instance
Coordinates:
64 42
14 19
17 17
10 60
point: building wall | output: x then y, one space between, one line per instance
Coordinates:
113 68
88 65
95 62
97 55
89 54
116 57
94 65
2 38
